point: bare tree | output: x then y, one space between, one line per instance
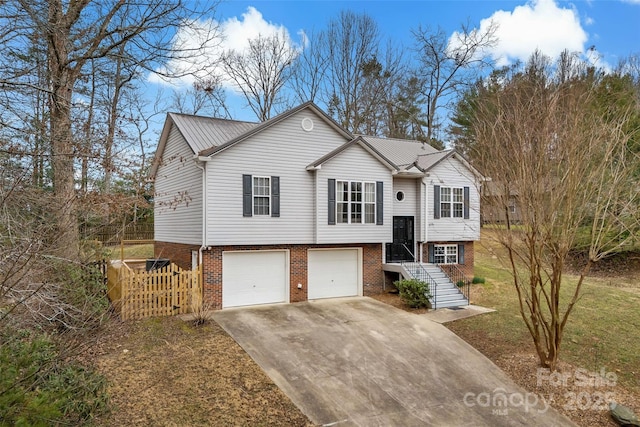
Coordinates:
206 96
447 65
352 40
261 71
75 33
309 68
543 139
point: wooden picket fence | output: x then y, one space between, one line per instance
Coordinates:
137 294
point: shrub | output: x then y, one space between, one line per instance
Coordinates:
415 293
38 388
477 279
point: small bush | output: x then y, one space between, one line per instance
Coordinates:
460 283
38 388
477 280
201 314
414 293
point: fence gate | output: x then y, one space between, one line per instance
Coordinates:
167 291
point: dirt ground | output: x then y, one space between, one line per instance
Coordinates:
166 372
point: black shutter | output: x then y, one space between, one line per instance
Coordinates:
436 201
247 193
332 202
431 255
460 254
379 203
275 196
466 203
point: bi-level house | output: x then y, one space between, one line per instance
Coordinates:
297 208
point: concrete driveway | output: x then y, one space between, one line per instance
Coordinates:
359 362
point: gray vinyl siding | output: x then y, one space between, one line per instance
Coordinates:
452 173
178 194
283 150
353 164
410 206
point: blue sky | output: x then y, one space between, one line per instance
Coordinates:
612 27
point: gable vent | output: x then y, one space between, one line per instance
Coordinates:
307 124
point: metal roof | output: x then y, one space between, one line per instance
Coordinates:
202 133
427 161
400 151
207 136
259 127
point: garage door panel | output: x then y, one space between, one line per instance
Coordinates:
333 273
254 277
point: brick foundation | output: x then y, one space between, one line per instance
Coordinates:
178 253
372 274
468 266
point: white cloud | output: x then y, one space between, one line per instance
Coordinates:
539 24
198 43
233 34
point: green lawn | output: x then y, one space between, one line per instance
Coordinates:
603 331
140 251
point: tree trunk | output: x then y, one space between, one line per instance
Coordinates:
63 169
62 157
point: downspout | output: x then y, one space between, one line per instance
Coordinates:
425 218
203 245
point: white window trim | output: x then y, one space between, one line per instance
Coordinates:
452 204
349 202
254 196
449 250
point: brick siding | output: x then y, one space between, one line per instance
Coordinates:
372 274
178 253
468 266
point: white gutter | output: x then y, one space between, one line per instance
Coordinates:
425 218
198 162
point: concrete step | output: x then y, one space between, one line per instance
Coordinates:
443 298
447 294
446 287
440 295
455 303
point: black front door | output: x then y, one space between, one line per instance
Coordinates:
402 248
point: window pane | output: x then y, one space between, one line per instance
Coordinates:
356 191
369 192
370 213
445 202
458 198
342 214
457 210
445 210
458 195
261 186
438 254
445 254
452 254
343 191
356 212
261 193
445 194
261 205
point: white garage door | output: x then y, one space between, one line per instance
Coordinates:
334 272
254 277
